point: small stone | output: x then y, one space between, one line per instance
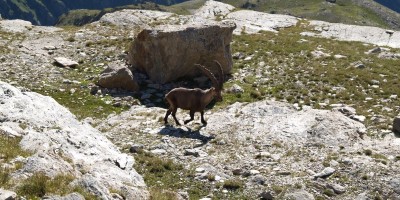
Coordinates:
236 89
359 118
346 110
390 32
258 179
325 173
347 161
136 148
191 152
237 172
339 56
65 62
333 163
49 48
238 55
254 172
93 90
263 155
338 189
374 50
117 104
266 195
358 65
200 170
158 151
299 195
66 81
248 58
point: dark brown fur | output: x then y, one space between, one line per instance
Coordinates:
194 100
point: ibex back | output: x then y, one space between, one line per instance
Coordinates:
196 99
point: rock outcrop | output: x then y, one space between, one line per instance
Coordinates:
118 76
63 145
251 22
16 25
213 10
167 53
132 18
345 32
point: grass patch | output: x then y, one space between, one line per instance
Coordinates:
10 149
233 184
295 76
165 177
39 185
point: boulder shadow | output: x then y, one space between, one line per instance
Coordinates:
396 133
189 133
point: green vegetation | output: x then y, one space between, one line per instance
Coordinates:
81 17
165 177
233 184
9 149
39 185
282 68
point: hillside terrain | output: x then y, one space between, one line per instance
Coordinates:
366 12
308 113
394 5
47 12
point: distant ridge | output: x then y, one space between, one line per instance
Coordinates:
391 4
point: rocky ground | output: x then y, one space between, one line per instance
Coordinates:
266 148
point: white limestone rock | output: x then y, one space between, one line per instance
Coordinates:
62 144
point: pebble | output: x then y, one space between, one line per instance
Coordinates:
325 173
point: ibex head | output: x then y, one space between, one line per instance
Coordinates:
216 83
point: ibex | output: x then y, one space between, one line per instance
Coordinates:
196 99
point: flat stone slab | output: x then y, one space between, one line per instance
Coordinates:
65 62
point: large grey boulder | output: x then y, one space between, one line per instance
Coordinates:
118 76
167 53
63 145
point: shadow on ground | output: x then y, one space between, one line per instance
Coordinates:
186 132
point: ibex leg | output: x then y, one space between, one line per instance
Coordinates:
166 116
191 117
173 115
202 118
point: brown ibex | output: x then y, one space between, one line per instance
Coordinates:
196 99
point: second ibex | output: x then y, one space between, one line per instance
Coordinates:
196 99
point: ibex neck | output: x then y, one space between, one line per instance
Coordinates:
209 95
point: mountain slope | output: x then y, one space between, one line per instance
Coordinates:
47 12
391 4
359 12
